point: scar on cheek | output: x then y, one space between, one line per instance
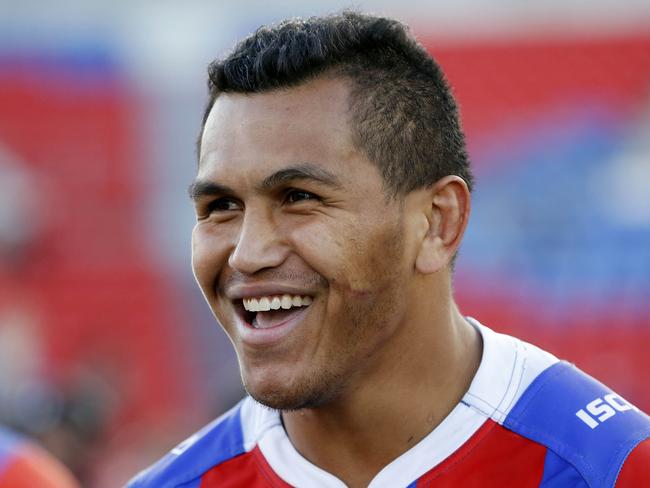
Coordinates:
360 294
350 290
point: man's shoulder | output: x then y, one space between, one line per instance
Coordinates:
216 443
589 430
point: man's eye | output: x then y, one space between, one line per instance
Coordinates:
223 205
294 196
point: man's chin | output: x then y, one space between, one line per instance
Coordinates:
286 398
280 400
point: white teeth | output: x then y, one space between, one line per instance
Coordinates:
275 302
264 304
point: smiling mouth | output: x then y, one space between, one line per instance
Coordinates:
266 312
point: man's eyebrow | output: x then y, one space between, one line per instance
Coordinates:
300 172
202 188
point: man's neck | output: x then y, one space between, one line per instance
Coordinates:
348 437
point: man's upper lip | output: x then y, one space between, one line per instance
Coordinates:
239 291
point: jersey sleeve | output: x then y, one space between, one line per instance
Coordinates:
636 470
587 426
185 465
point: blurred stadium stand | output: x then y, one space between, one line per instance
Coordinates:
558 249
108 355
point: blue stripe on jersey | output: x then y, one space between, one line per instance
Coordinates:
185 464
195 483
596 441
413 485
558 473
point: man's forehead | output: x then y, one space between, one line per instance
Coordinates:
318 103
307 123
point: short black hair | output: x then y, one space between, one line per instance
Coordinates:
404 117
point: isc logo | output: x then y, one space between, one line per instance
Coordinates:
603 408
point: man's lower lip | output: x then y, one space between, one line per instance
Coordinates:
254 336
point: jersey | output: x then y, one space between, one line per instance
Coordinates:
527 420
24 465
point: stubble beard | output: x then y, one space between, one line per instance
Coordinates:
305 393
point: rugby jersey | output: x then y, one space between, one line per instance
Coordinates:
527 420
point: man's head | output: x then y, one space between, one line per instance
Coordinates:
317 277
403 116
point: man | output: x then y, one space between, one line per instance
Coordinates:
25 465
332 194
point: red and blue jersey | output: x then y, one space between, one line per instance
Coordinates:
527 420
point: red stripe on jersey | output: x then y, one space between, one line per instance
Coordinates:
636 470
493 457
250 470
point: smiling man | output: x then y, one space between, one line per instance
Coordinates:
332 194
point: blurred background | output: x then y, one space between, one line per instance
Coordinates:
108 355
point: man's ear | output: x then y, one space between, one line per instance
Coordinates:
448 207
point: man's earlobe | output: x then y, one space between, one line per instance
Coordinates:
430 258
449 201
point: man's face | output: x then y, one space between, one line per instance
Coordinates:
297 250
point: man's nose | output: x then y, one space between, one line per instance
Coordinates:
259 244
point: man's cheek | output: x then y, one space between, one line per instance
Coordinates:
205 265
318 240
199 266
209 248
